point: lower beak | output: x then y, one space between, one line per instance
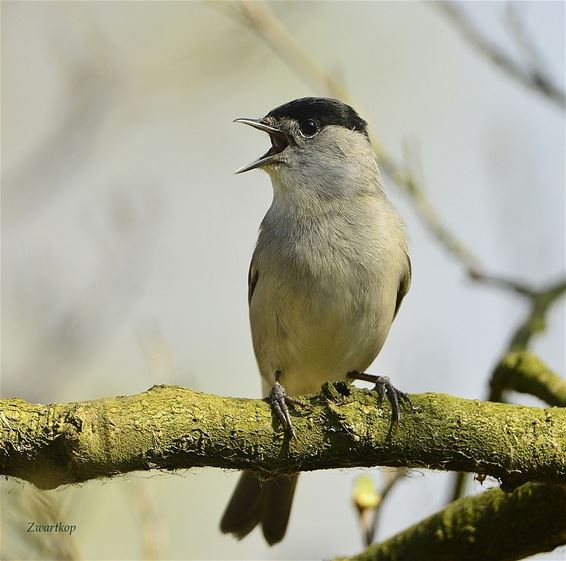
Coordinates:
279 141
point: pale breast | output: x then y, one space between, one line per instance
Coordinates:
317 320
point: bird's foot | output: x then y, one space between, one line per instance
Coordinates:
384 388
280 403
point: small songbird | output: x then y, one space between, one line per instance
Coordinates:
327 277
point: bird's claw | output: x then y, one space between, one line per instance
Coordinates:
385 388
280 402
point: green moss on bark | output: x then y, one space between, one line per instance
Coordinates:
492 526
525 372
169 427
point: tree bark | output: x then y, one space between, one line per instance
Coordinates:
525 372
170 427
492 526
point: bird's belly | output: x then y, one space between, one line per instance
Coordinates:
318 335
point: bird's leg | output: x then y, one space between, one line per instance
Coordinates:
384 387
280 401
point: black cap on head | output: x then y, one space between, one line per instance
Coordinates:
323 110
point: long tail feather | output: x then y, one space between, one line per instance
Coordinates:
254 502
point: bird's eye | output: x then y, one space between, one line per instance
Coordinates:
309 127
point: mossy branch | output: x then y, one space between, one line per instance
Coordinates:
525 372
521 370
170 427
492 526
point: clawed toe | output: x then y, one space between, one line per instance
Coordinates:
280 403
385 388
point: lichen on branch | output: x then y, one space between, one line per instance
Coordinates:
170 428
525 372
491 526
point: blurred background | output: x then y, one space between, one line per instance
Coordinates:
126 238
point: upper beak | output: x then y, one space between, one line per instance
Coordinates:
279 141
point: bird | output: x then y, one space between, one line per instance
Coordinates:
327 277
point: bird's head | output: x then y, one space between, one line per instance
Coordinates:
316 142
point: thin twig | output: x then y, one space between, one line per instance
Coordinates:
502 282
369 500
541 302
534 78
390 483
151 529
523 40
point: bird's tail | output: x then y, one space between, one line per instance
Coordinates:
254 502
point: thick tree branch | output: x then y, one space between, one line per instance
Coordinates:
492 526
169 427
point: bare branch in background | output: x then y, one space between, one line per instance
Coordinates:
260 19
151 529
541 300
534 76
523 40
369 500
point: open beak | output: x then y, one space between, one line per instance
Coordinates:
279 141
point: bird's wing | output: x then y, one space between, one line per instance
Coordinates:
404 284
253 276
